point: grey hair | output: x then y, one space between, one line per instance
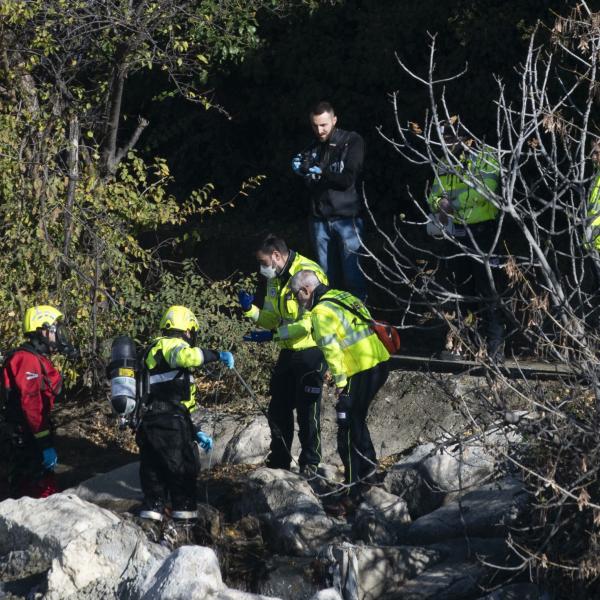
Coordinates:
304 278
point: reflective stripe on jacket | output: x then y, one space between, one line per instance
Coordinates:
281 310
594 212
170 360
470 205
347 342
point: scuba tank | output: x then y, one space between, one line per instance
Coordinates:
123 371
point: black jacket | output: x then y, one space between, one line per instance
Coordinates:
336 193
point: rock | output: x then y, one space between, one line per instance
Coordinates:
459 574
428 475
515 591
451 581
410 408
367 572
188 573
229 594
484 512
290 577
208 524
84 548
294 519
328 594
222 428
118 490
250 445
380 518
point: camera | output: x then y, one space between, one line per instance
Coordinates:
308 160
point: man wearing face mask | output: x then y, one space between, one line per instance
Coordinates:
297 379
31 384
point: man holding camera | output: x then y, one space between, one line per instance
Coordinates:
331 168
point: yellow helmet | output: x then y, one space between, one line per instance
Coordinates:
180 318
38 316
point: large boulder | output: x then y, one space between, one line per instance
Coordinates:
484 512
460 574
328 594
380 518
250 444
446 571
188 573
291 577
432 472
411 408
118 490
83 547
367 572
293 516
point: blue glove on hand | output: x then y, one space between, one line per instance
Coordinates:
246 299
227 359
296 162
205 441
315 172
49 458
259 336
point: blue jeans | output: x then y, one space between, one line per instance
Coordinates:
337 244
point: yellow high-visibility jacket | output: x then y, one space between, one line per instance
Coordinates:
281 311
347 342
594 212
470 206
170 360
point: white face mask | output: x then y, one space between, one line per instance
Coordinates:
269 272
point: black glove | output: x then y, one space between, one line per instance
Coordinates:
342 409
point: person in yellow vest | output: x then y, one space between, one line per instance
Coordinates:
297 380
358 362
593 205
167 436
460 202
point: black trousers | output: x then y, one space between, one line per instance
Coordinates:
354 440
169 462
296 383
469 278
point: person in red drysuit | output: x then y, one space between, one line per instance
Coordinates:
31 384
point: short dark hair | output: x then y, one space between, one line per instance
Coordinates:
272 243
322 107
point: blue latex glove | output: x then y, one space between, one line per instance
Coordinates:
296 162
49 458
205 441
227 359
315 172
259 336
246 299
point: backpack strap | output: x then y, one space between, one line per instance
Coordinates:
348 308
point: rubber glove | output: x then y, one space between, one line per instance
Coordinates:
315 172
296 162
259 336
227 359
49 458
246 299
205 441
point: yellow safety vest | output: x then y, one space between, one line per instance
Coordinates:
470 206
281 310
347 341
170 360
594 212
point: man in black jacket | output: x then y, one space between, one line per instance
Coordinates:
331 167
